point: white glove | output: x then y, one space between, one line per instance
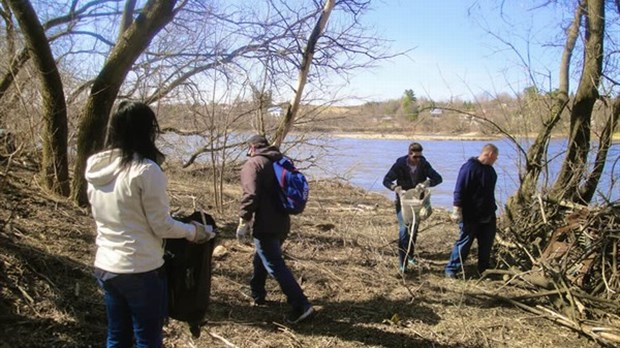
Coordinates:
457 215
424 184
202 234
397 189
243 231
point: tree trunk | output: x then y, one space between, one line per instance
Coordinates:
95 115
54 164
287 122
535 161
587 190
574 169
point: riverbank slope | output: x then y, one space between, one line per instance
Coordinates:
342 249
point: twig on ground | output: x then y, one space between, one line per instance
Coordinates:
225 341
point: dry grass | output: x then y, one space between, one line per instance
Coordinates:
342 249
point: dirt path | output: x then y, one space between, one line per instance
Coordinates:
342 249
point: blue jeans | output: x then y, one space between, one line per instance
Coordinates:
406 242
484 233
268 260
136 305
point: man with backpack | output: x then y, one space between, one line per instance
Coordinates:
262 212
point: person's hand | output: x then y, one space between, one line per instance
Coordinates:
203 234
457 215
398 190
243 231
424 184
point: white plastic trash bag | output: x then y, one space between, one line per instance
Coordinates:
416 201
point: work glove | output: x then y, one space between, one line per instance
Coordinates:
243 231
457 215
424 184
202 234
394 187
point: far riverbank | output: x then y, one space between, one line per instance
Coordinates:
473 136
394 136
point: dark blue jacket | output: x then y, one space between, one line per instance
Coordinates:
474 191
399 172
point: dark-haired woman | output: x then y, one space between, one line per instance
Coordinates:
127 193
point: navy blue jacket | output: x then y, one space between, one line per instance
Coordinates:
399 172
474 191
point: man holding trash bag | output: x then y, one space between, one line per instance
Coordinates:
406 173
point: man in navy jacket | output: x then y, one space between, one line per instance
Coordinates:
406 173
474 210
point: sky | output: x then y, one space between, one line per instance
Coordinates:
452 55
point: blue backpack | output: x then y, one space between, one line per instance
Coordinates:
294 188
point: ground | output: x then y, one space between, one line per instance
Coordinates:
342 249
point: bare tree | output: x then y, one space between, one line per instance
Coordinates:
54 165
19 58
134 40
304 68
200 43
535 160
574 170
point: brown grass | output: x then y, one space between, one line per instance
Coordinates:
342 249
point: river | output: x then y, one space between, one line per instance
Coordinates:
364 162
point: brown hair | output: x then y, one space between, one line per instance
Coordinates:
415 147
490 147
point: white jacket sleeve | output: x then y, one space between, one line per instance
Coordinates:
154 197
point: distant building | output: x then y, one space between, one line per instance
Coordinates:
436 112
275 111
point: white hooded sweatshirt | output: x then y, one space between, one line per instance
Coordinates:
132 211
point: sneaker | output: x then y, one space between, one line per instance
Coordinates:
450 275
412 261
297 316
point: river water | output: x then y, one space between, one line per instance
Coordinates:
364 162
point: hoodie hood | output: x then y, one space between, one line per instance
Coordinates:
103 167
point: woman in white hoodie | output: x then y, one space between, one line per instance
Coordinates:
127 193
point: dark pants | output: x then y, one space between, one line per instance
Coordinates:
136 305
406 240
268 260
484 233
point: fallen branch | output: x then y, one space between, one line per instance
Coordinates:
599 333
225 341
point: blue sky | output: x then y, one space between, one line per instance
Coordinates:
452 55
